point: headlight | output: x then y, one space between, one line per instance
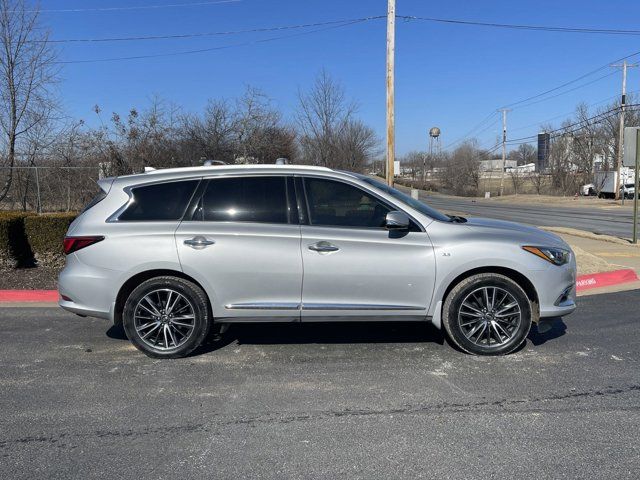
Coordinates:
557 256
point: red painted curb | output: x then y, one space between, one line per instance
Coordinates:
605 279
28 296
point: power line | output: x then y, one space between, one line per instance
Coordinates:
211 34
479 125
565 84
211 49
138 7
567 91
544 28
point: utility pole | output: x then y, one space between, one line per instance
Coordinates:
504 147
623 102
391 41
635 192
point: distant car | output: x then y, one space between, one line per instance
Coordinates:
171 254
628 190
588 190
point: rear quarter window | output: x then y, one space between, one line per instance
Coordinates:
158 202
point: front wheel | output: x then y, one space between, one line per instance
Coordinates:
487 314
166 317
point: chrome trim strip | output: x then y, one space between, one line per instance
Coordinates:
355 306
263 306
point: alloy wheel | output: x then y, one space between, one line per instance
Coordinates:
164 319
489 316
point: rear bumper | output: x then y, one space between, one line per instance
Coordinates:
91 290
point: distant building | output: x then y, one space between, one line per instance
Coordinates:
544 146
529 167
496 164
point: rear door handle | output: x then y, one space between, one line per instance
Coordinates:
323 247
198 242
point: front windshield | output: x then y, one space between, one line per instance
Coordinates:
403 197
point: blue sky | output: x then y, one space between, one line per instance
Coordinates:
446 75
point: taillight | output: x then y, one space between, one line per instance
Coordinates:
73 244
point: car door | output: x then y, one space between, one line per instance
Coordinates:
354 268
242 240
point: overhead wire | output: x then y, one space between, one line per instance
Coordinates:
211 34
132 7
544 28
221 47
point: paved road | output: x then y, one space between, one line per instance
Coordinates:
617 222
318 401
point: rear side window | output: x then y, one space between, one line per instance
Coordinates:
162 201
245 199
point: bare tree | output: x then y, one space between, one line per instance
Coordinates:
537 179
462 171
330 136
27 71
517 179
524 154
322 111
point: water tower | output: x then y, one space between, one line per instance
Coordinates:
434 141
434 147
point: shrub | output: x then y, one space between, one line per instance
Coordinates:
14 246
45 234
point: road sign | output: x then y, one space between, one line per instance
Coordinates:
630 141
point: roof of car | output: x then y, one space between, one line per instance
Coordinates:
152 175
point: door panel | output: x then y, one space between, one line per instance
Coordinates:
372 274
253 271
244 243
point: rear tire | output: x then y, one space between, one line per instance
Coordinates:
487 314
167 317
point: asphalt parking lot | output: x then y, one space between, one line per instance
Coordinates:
321 401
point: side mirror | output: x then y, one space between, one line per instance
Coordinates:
396 220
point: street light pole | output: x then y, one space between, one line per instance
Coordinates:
504 147
391 35
623 104
635 191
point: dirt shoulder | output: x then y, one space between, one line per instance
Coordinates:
36 278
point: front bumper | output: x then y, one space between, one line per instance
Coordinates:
556 287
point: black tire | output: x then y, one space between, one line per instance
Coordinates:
194 299
470 291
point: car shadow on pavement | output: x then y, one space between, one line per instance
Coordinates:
557 329
319 333
339 333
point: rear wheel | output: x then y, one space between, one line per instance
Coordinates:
166 317
487 314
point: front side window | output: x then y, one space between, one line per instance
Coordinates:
159 202
245 199
338 204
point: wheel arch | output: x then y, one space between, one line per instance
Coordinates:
514 275
131 283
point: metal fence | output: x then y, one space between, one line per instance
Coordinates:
48 188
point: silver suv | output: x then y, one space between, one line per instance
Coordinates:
172 254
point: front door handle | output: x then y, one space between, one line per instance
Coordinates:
323 247
198 242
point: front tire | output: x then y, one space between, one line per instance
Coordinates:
487 314
167 317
